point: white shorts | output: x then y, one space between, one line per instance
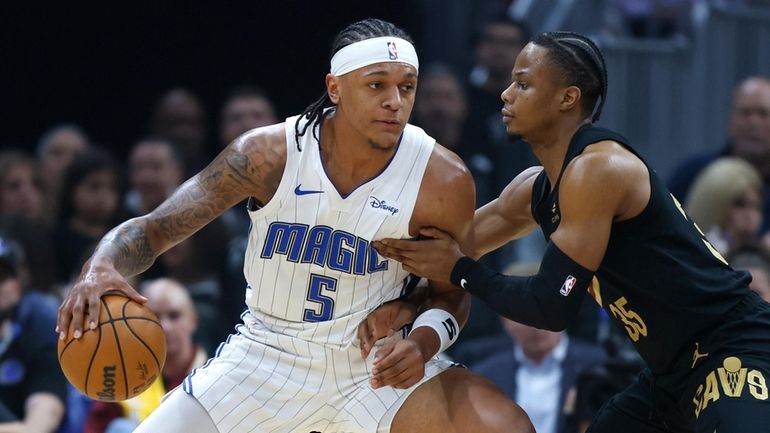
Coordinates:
260 381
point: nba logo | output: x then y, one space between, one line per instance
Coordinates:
569 283
392 53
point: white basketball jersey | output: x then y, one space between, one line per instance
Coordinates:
311 270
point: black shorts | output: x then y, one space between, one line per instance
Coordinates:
724 390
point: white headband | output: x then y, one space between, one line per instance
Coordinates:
370 51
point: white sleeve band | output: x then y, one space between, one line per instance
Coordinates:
443 323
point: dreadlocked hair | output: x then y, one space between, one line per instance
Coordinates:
358 31
582 65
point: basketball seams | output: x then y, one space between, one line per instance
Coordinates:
117 342
93 356
147 346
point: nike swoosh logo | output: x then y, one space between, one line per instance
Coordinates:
463 282
305 192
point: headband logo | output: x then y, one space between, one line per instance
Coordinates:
392 52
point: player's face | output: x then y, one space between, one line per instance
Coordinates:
377 100
533 97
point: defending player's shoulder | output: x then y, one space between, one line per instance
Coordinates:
609 172
260 154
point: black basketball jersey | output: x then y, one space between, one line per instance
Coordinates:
660 279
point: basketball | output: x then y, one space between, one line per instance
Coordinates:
121 357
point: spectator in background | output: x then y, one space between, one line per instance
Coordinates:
748 138
498 44
89 209
32 387
441 109
180 118
652 18
171 302
198 263
755 259
39 272
725 201
56 149
245 108
155 171
21 187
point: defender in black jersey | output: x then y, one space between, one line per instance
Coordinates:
615 232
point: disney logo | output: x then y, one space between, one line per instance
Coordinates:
381 204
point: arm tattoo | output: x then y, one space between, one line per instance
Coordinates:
254 168
128 247
230 178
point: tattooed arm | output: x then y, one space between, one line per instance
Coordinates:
251 166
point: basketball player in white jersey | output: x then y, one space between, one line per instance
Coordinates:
323 186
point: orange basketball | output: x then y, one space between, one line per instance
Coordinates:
121 357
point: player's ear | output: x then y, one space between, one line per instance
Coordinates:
569 98
333 88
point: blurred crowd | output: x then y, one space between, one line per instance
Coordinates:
57 203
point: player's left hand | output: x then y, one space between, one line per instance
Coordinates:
383 322
398 364
432 258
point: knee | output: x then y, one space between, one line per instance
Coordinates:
506 417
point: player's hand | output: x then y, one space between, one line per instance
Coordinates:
398 364
432 258
85 297
384 322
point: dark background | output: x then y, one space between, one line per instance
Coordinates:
103 66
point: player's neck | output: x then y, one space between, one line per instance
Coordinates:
550 147
348 157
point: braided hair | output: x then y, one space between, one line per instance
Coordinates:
358 31
581 64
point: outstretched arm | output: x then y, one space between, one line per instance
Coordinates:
603 185
498 222
250 166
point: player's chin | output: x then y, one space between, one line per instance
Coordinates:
512 130
384 141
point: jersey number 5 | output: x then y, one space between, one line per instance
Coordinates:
319 283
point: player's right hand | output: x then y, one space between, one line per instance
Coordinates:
399 364
84 298
383 322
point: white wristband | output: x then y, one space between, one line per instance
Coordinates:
443 323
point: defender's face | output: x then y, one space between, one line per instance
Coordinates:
532 98
377 100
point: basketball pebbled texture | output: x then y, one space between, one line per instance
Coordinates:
121 357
